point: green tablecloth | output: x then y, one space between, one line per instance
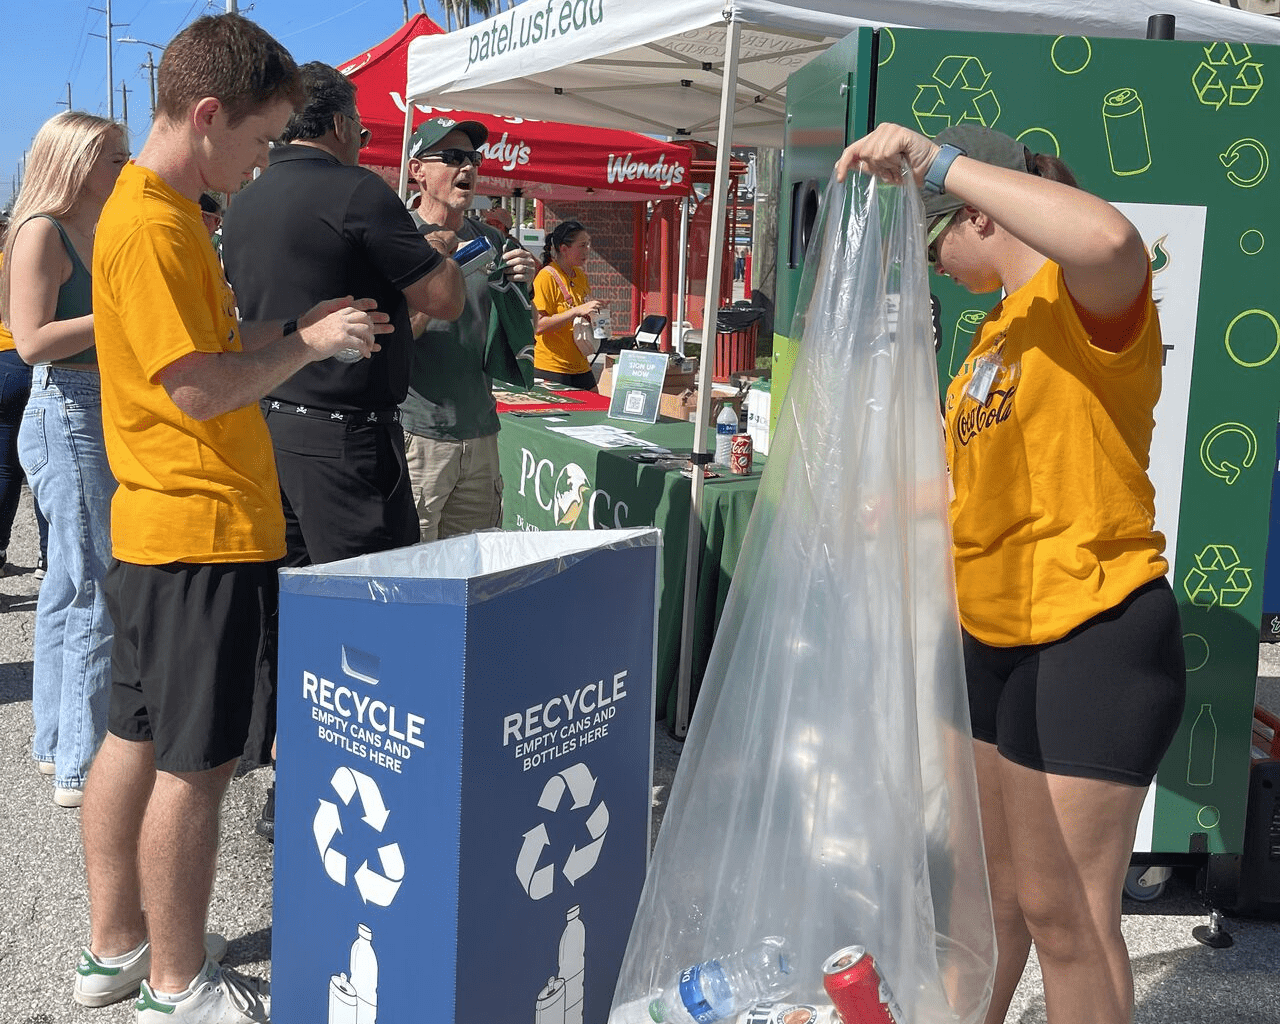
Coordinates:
554 482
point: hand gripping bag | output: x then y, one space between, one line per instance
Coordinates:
826 792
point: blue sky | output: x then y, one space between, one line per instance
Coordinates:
44 44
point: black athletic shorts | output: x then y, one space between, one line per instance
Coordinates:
585 381
188 642
1101 703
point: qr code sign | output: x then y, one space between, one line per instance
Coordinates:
634 403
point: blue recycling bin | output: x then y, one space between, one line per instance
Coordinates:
463 787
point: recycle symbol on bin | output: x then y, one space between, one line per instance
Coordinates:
1218 578
565 792
1228 74
958 93
379 887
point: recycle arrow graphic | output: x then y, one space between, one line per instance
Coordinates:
381 888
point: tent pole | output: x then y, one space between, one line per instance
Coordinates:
404 150
711 303
682 264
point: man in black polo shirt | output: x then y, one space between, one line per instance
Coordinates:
317 224
313 224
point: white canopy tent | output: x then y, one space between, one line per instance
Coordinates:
717 70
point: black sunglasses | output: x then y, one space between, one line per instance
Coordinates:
456 157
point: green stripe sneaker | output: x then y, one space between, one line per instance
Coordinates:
101 984
217 995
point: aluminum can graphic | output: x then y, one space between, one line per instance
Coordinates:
857 990
967 324
1125 124
476 256
740 450
342 1000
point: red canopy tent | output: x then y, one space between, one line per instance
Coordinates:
544 159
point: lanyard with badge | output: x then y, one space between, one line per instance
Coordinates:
986 369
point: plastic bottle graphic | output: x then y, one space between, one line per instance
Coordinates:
718 989
573 946
1203 748
342 1000
549 1009
726 427
364 976
1125 123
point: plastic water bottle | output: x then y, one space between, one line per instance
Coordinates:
718 989
726 427
364 975
573 945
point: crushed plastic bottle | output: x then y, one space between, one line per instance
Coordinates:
715 990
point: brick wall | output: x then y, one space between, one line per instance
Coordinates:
611 268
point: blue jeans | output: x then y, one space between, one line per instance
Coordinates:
15 386
61 448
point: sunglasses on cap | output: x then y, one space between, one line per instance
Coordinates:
456 157
939 225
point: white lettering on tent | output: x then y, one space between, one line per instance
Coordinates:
628 168
510 154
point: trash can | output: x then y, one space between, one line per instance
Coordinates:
463 786
736 331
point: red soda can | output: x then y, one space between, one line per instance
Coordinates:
857 990
740 450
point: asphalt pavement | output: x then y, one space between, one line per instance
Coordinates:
44 910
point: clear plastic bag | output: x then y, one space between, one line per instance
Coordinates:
826 792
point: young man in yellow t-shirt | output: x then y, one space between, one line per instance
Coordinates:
196 522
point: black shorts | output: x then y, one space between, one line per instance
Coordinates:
585 381
1103 702
188 642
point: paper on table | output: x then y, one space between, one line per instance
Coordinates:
604 435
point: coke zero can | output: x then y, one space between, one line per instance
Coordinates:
857 990
740 454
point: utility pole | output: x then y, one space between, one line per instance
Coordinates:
68 99
111 25
406 9
124 95
232 8
151 75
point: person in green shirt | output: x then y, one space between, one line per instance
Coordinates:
449 417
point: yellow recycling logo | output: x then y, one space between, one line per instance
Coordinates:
958 93
1227 75
1218 578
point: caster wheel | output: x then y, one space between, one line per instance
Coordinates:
1135 890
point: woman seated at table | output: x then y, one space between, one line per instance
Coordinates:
561 294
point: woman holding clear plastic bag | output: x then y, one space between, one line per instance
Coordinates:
563 308
1072 641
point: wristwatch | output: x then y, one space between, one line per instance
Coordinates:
289 327
936 175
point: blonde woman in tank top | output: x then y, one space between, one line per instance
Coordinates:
46 300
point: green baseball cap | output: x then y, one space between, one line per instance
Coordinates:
434 129
991 147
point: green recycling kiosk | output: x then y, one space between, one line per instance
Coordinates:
1179 136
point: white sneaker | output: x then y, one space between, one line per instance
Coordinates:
98 984
217 995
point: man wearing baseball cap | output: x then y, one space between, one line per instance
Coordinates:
450 417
